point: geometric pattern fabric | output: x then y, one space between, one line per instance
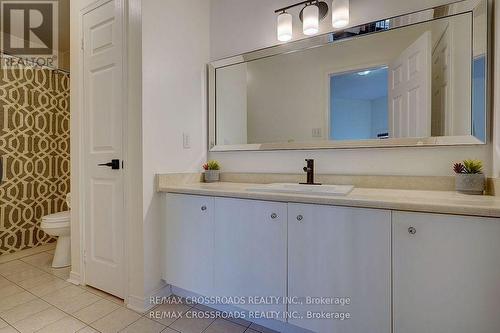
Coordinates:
35 148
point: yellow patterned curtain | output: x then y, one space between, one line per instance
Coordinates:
34 146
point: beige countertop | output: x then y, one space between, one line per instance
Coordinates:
444 202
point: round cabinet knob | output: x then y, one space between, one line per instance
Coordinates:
412 230
203 208
274 216
300 218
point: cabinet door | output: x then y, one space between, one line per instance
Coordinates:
189 242
446 274
250 251
340 252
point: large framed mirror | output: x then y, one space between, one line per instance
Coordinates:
420 79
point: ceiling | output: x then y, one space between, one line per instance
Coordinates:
372 85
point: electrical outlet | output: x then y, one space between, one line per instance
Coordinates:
316 133
186 141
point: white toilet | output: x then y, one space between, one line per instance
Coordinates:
58 225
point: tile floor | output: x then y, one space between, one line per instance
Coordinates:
36 298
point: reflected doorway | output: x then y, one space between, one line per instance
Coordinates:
358 104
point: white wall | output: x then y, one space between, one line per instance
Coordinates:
175 51
353 117
232 105
288 96
379 116
239 26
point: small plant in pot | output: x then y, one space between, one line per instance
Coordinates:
212 172
469 177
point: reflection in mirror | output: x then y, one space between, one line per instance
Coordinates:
358 105
418 81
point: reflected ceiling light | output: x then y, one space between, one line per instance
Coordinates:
364 73
340 13
313 12
310 24
285 27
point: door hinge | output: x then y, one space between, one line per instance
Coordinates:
82 46
84 256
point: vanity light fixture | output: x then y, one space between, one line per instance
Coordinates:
313 12
310 24
340 13
285 27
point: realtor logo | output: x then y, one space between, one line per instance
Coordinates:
30 30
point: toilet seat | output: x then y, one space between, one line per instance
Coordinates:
58 220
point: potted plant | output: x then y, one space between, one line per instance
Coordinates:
469 177
212 172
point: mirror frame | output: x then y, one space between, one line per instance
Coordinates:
439 12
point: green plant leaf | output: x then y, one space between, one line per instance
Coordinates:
213 165
473 166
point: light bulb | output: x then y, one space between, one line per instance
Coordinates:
284 27
311 20
340 13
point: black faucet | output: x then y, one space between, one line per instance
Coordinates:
310 173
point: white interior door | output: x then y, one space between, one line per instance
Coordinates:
103 134
442 115
410 91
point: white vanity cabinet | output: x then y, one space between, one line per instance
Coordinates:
340 252
189 243
251 252
401 272
446 274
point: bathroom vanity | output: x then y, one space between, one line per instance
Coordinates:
409 261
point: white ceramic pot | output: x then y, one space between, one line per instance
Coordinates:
470 183
212 176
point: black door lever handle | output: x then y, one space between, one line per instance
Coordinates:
114 164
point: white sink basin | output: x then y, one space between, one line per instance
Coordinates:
323 190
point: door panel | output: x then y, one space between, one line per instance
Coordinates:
250 251
442 101
446 273
103 135
340 252
410 91
189 243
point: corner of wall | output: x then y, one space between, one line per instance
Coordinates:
75 140
495 93
134 155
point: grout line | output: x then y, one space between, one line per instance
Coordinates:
65 280
15 329
18 255
110 314
194 307
169 326
40 298
134 323
96 292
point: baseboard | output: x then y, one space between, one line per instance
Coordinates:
144 304
74 278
